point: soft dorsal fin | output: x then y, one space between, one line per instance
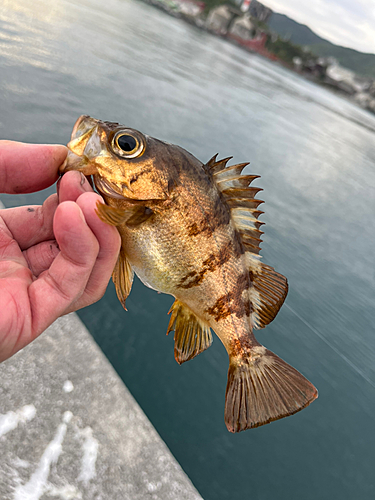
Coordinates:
267 294
191 334
269 288
122 277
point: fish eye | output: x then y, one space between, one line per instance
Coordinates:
128 144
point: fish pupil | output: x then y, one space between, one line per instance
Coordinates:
127 143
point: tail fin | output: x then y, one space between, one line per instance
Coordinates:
263 388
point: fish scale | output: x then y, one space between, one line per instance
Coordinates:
191 230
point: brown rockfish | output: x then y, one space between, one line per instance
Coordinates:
191 230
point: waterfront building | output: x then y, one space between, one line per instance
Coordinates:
243 28
255 9
220 18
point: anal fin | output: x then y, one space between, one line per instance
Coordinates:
122 277
192 336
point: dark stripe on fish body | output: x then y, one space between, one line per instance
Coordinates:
232 302
213 262
196 280
220 216
204 226
241 346
237 244
221 210
248 307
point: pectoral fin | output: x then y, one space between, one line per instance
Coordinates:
191 334
116 216
110 215
122 278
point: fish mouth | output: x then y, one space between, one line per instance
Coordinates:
84 146
83 125
107 188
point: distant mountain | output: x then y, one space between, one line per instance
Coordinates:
300 34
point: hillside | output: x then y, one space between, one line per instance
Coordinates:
361 63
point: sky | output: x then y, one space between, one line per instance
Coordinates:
350 23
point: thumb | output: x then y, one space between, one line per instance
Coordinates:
26 168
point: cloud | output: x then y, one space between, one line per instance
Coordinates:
343 22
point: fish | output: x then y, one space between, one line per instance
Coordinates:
192 230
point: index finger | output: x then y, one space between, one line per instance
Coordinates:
26 168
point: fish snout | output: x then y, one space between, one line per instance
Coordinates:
85 145
82 126
74 162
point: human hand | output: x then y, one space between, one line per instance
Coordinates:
55 258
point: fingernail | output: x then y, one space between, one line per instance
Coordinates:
59 153
84 183
81 214
58 186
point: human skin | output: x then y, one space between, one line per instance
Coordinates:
55 258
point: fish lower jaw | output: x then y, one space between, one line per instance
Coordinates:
78 163
107 188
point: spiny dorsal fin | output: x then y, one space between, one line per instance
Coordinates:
237 192
191 334
250 241
216 166
122 277
241 181
244 212
212 161
267 294
269 288
240 197
233 171
243 202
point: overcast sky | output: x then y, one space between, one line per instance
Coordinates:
350 23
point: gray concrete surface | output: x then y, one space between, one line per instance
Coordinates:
69 428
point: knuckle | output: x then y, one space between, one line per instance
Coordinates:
60 288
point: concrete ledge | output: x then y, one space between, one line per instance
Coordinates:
70 429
